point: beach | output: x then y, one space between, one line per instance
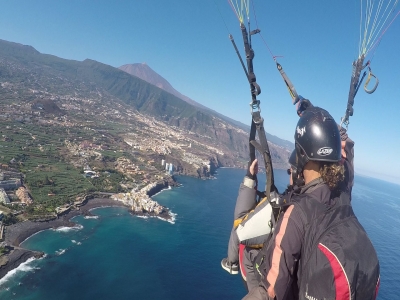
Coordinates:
17 233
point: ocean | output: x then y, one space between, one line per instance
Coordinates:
119 256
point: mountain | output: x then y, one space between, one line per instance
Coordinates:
30 75
143 71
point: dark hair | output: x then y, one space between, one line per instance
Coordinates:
332 174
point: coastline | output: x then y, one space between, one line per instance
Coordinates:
17 233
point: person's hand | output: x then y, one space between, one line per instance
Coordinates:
343 138
252 169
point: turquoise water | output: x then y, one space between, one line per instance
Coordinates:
118 256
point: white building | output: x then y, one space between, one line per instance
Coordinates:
4 197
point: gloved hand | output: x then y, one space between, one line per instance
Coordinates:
252 169
302 105
343 138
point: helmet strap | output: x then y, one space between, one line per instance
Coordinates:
297 178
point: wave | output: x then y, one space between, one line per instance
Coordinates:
91 217
143 217
102 206
24 267
172 218
68 229
61 251
165 189
31 236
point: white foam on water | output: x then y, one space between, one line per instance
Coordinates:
102 206
163 190
67 229
60 251
91 217
143 217
173 217
31 236
24 267
169 220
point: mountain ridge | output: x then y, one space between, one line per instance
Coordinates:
31 70
146 73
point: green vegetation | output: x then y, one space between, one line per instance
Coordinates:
88 74
58 116
10 219
39 154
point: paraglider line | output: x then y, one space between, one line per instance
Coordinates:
234 10
223 20
383 32
255 18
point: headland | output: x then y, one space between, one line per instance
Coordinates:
138 203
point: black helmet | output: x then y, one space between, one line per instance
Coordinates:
317 138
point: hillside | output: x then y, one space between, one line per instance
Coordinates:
60 117
143 71
61 77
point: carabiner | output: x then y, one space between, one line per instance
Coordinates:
370 74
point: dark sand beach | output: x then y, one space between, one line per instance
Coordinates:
17 233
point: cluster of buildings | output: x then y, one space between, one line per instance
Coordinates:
139 201
169 167
126 166
11 187
23 196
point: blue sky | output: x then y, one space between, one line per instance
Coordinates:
187 43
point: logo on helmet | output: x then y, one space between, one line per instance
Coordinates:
301 131
324 151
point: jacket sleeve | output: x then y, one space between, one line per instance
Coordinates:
282 254
246 199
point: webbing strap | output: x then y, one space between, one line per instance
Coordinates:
354 85
254 87
257 126
289 84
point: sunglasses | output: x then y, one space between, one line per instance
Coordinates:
289 171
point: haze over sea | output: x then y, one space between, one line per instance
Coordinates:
118 256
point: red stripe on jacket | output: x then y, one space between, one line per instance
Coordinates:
342 285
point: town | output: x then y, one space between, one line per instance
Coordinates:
51 161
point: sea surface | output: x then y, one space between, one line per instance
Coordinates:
119 256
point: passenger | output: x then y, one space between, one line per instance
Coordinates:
250 229
283 273
246 204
